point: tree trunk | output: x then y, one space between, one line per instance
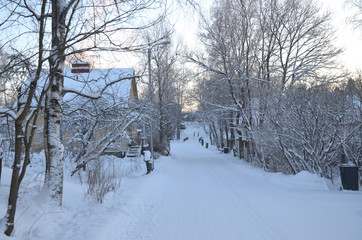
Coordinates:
15 184
53 145
232 131
227 135
178 130
161 125
1 163
53 107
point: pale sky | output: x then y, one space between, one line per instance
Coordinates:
348 38
186 22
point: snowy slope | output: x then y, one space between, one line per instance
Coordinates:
200 194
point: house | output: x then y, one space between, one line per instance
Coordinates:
84 80
114 93
118 93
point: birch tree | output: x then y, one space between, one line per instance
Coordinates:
54 149
108 19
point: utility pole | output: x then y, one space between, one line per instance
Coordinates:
150 93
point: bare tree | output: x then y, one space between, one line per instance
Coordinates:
231 41
258 50
312 127
166 87
356 7
25 114
180 99
304 42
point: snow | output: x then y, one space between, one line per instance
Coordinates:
87 84
93 82
197 193
9 112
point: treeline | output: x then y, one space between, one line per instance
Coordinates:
272 87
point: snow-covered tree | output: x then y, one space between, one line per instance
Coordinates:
256 51
92 125
44 33
24 111
166 86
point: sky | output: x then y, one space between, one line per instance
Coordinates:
186 22
349 38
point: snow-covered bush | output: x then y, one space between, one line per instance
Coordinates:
103 176
309 129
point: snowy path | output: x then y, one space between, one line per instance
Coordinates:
201 194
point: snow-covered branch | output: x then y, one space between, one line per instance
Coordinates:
8 112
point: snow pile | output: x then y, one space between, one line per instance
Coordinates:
303 180
36 219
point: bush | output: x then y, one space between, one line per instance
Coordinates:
103 177
162 148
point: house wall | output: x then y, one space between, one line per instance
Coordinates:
134 98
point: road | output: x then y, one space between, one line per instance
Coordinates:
202 194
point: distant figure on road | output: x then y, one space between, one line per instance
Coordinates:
147 158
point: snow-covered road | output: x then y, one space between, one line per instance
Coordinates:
202 194
199 194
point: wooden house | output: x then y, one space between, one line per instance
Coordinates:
119 93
